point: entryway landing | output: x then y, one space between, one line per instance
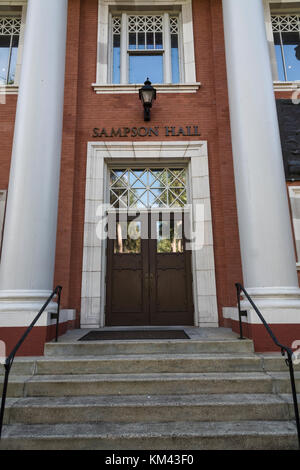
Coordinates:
193 333
195 341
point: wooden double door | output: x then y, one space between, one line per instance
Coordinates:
149 277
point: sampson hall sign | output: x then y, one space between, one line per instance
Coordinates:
167 131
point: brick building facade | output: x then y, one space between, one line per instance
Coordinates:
90 104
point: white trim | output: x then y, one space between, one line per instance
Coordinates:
162 88
99 156
9 89
3 195
294 194
187 64
21 319
278 316
287 86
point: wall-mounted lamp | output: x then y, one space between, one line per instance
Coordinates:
147 94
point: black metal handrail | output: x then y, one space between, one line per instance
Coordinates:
284 349
10 359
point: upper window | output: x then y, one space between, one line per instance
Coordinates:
286 31
10 27
147 39
145 46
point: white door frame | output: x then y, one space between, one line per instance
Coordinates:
100 156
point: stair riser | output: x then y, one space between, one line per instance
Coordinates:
284 385
152 387
147 347
277 365
144 366
126 414
14 390
235 442
20 367
35 389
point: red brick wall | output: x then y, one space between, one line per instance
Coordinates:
84 110
7 121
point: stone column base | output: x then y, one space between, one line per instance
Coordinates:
17 313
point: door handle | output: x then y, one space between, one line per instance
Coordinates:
149 280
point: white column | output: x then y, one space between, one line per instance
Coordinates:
268 259
167 46
28 254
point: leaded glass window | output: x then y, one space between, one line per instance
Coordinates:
10 27
145 46
148 188
286 31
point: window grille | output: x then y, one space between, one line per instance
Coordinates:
148 188
150 47
286 23
10 28
286 31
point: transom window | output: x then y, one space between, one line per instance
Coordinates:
10 27
145 46
148 188
286 31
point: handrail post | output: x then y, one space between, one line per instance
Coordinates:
4 392
294 393
238 291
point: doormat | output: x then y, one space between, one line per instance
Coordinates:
134 335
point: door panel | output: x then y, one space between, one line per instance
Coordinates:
149 281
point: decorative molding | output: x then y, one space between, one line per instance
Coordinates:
99 156
162 88
286 86
9 89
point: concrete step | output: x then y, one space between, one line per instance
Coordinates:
21 366
100 348
16 385
145 384
146 408
282 383
288 398
149 363
245 435
275 362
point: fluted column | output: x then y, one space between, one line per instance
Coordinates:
28 253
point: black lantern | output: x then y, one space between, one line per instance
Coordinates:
147 95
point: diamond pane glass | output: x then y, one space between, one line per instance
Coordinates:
147 188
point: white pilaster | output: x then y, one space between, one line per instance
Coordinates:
28 254
268 259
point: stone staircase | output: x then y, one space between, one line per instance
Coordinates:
162 395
